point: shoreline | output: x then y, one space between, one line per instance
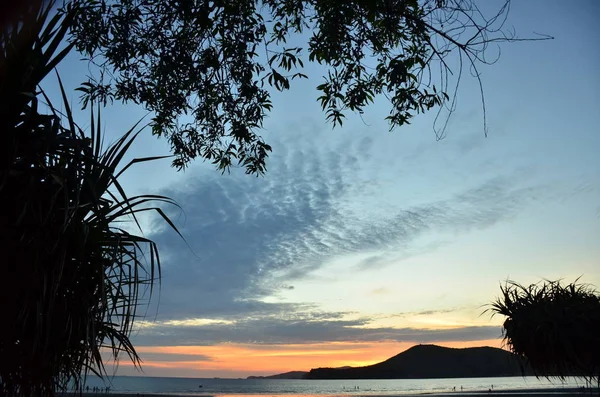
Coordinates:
551 391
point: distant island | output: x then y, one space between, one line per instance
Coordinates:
425 362
431 361
285 375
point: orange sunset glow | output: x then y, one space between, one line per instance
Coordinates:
240 360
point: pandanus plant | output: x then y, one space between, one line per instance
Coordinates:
71 278
553 326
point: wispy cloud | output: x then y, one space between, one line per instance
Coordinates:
302 329
320 200
380 291
152 356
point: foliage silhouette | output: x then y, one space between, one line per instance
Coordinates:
72 280
553 326
215 62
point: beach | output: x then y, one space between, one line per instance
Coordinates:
205 387
563 392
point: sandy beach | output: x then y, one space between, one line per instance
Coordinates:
563 392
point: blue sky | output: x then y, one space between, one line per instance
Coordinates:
362 235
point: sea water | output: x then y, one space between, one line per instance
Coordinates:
278 387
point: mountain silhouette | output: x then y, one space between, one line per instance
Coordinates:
431 361
285 375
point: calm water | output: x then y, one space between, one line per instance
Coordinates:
273 387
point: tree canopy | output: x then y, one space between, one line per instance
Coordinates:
216 62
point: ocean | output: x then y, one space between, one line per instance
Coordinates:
288 387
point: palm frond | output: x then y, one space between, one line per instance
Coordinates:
553 326
72 281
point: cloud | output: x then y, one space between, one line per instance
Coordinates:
320 199
380 291
276 331
428 312
151 356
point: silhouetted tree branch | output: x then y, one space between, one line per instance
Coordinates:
216 61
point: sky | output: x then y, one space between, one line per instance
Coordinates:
359 242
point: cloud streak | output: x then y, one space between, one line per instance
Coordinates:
319 201
278 331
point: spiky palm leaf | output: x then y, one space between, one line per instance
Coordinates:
71 281
553 326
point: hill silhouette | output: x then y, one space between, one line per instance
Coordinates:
431 361
285 375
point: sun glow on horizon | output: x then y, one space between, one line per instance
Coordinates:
241 360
